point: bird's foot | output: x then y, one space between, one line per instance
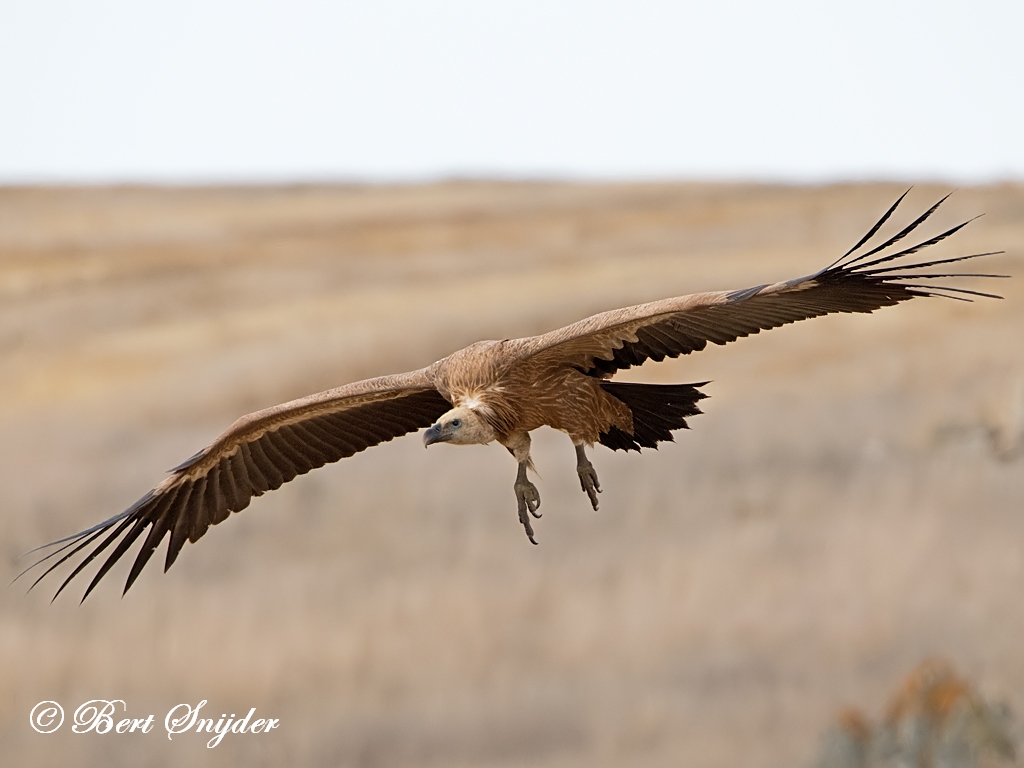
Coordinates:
589 482
528 499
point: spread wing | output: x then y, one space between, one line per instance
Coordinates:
856 282
258 453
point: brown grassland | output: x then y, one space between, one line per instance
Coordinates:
851 501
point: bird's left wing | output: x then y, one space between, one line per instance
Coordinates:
258 453
857 282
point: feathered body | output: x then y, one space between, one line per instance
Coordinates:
516 393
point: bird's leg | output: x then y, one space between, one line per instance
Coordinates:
588 475
527 496
528 499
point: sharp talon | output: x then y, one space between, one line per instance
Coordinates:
589 482
528 500
537 515
533 541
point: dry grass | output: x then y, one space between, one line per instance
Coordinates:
849 503
934 719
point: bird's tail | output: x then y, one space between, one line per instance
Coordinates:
658 409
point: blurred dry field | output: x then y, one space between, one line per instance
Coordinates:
851 502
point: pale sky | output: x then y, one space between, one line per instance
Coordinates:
209 91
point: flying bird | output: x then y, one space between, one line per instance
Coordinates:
501 391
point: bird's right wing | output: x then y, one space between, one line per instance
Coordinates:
258 453
622 338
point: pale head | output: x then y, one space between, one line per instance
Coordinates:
460 426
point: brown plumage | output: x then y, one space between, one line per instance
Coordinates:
502 390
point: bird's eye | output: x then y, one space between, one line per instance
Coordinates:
456 423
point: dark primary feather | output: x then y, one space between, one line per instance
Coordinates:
899 235
185 507
871 232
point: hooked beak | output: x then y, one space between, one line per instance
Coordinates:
433 435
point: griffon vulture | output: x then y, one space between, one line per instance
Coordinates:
501 391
